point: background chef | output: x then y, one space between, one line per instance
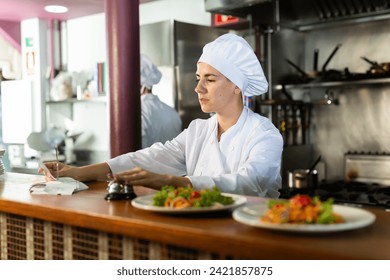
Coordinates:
160 122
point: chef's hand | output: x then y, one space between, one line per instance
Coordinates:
141 177
57 169
87 173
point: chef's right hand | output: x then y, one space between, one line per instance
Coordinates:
57 169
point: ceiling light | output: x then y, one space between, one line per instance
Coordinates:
56 9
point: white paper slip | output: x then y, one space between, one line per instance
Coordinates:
63 186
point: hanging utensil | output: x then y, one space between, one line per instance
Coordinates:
315 60
314 164
330 57
305 76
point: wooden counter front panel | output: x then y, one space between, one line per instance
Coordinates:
85 225
24 238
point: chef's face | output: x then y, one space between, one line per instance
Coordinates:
216 93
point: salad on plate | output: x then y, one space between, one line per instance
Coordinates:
301 209
187 197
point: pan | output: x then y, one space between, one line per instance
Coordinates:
307 76
377 68
304 77
331 74
324 74
330 58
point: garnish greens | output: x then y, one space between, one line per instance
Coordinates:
184 197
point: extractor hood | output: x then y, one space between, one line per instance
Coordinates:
303 14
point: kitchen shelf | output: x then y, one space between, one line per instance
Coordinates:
335 84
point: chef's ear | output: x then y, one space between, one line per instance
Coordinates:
237 90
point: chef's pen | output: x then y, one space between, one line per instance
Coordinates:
47 172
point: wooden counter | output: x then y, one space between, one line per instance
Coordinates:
85 226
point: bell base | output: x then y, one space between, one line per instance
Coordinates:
120 196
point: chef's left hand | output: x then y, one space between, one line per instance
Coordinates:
141 177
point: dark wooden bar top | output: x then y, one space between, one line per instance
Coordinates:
216 232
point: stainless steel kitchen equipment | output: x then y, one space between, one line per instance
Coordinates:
367 167
359 121
366 182
291 117
303 14
304 178
175 47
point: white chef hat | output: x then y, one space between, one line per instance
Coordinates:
235 59
150 75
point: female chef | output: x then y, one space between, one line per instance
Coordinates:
236 149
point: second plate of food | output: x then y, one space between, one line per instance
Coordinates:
354 218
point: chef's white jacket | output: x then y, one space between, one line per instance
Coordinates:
160 122
246 160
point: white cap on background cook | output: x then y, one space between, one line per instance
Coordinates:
235 59
150 75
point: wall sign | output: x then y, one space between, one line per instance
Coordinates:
30 55
220 20
29 42
30 62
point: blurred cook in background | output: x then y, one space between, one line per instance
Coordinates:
160 122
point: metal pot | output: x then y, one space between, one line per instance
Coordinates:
302 178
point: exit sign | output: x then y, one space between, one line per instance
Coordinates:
219 20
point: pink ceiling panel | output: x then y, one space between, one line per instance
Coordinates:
17 10
10 31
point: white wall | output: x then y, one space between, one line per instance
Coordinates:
86 42
190 11
10 60
87 36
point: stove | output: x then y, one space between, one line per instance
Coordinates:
366 182
354 193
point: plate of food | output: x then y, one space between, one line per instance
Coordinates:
184 200
302 213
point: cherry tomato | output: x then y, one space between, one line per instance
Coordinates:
195 194
300 200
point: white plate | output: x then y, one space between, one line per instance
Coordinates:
354 218
146 203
